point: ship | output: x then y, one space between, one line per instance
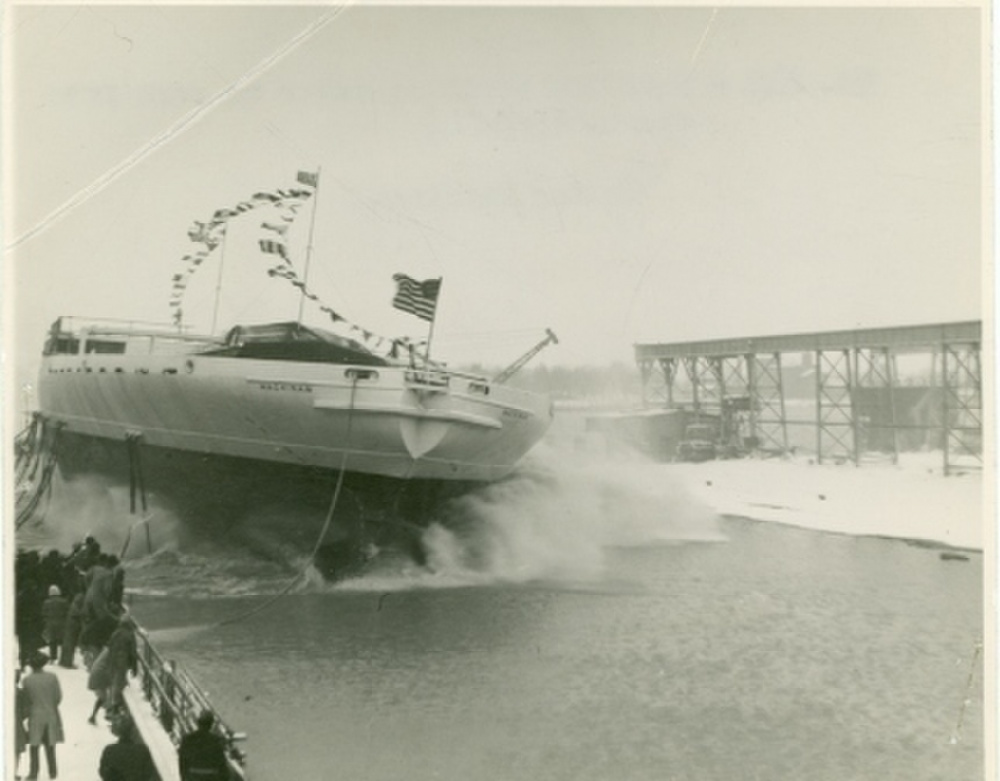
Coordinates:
276 413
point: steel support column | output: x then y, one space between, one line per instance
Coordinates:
834 419
962 402
875 371
767 402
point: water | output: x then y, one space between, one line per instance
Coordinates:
587 621
774 654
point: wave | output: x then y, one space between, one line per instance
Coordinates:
552 521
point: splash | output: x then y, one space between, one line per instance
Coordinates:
558 516
94 505
553 522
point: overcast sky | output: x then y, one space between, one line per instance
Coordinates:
618 175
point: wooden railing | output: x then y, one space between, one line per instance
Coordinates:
177 700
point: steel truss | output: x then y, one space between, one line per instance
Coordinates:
768 422
856 385
835 420
962 405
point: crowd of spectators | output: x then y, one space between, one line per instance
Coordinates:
66 602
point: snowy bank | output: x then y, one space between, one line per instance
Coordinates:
912 500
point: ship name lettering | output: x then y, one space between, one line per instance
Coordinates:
282 386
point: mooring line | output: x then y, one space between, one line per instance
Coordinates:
322 535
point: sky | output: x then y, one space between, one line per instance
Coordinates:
619 175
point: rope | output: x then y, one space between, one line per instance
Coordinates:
25 448
135 478
128 537
326 524
46 453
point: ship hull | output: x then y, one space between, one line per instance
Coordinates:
391 421
212 493
216 437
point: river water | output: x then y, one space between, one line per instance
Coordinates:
765 653
588 620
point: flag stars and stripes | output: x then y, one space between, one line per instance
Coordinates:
415 297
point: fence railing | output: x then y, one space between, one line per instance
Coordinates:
177 700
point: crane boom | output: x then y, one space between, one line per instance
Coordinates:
514 368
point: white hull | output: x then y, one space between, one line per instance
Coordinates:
383 420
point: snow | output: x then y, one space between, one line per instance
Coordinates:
910 500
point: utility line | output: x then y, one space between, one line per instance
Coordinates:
185 122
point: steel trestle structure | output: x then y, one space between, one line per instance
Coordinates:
851 381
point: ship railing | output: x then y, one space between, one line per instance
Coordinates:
109 325
427 378
178 700
74 334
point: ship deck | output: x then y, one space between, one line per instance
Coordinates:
80 755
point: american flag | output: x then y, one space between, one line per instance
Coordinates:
417 298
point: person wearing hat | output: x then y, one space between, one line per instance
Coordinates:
55 609
202 753
42 695
128 759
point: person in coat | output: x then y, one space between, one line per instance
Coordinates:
55 610
71 635
128 759
20 714
99 619
99 682
42 695
202 753
123 657
27 617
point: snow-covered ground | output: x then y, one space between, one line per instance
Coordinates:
912 500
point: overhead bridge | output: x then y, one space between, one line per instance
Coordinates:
838 393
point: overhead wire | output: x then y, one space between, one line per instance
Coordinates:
178 127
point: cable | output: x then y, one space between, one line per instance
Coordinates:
178 127
326 523
43 452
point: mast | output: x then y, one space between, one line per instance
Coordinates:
218 280
430 332
309 246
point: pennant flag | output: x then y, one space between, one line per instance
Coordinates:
198 232
417 298
273 247
305 177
